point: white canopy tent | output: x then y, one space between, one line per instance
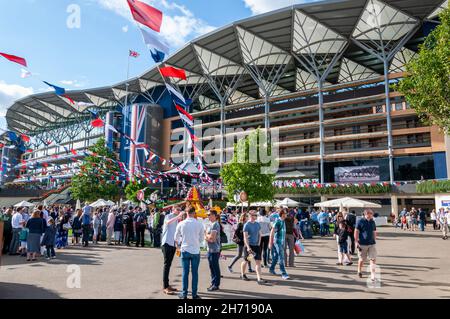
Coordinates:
24 204
287 202
348 202
110 203
99 203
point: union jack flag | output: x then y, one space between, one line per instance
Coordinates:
137 148
134 54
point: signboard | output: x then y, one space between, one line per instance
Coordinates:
357 174
445 203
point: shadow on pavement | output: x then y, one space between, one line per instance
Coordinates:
21 291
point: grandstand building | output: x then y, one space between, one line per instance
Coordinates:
320 74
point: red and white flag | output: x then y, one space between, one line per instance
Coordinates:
134 54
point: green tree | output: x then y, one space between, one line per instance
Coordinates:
134 187
427 86
98 175
246 171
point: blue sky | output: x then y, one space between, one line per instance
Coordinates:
95 54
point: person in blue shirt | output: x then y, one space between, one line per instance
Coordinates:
323 219
365 239
86 224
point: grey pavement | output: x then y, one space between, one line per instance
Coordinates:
412 265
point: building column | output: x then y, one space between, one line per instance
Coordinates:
394 205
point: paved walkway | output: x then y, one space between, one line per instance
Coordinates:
413 265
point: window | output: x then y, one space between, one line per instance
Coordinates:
357 144
356 129
374 142
308 148
373 128
339 146
379 109
398 106
339 131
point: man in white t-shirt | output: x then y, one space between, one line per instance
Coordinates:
17 223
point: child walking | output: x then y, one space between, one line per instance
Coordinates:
343 234
49 239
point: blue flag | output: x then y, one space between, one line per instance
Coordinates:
158 56
58 90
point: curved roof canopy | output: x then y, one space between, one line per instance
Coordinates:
279 52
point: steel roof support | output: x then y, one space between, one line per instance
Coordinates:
223 77
318 56
385 48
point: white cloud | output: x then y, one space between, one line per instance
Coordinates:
179 24
10 93
125 28
74 83
262 6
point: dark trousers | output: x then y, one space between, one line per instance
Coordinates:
50 251
214 267
150 229
128 232
168 254
14 245
157 238
240 251
7 237
86 234
265 249
352 238
140 231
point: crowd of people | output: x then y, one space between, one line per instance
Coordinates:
417 219
265 239
39 232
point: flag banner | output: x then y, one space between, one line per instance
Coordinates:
158 56
175 94
171 72
25 138
25 74
58 90
97 123
84 104
146 14
154 43
69 99
12 136
184 115
134 54
15 59
109 127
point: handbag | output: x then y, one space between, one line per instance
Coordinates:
67 226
